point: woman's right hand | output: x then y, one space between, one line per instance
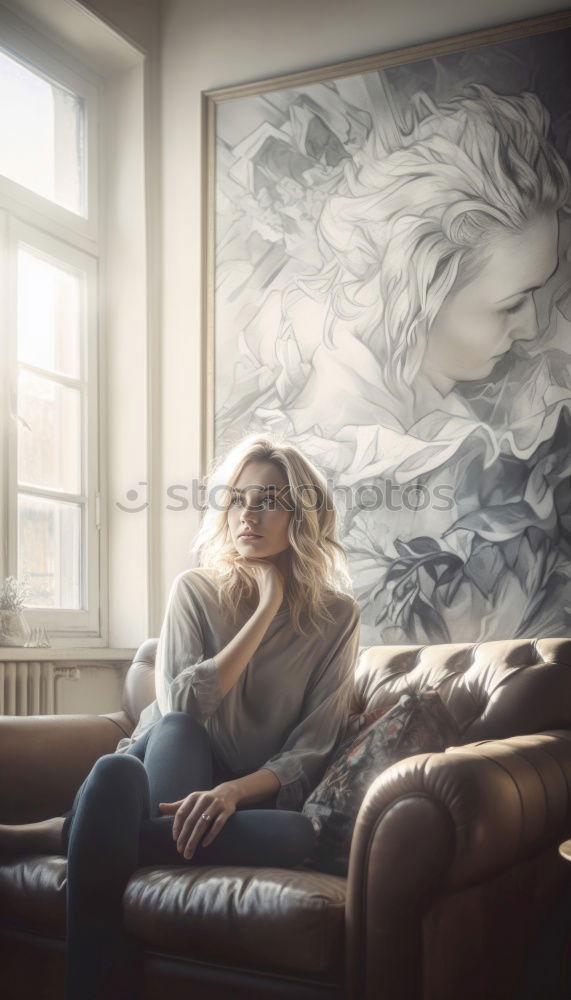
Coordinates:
268 579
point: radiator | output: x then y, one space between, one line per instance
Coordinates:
30 687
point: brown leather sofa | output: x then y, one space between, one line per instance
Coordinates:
454 867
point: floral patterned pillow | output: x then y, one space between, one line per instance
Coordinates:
418 723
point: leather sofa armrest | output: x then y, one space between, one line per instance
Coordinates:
44 759
436 823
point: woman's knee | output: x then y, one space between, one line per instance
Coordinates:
116 769
116 783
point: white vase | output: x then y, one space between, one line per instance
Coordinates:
14 629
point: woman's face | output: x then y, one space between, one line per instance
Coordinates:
478 323
259 514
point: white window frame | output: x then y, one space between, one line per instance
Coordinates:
73 240
61 253
15 197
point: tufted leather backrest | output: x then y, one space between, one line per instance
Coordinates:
493 689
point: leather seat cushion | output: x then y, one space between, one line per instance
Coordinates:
33 889
274 918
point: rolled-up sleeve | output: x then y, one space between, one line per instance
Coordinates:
184 680
304 756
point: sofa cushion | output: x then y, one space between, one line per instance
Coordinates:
273 918
33 890
289 920
416 724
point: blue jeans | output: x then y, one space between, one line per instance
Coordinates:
115 827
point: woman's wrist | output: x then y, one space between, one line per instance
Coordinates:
230 790
251 788
267 607
271 599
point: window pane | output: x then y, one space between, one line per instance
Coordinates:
49 314
49 440
42 129
49 551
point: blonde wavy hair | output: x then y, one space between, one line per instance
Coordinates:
318 560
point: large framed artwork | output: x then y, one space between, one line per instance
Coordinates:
389 288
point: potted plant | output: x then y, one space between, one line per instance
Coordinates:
14 629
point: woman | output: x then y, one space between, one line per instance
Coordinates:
254 674
450 392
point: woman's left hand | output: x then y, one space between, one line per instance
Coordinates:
189 828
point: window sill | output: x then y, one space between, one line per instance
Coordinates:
76 654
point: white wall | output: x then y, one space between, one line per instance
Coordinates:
126 360
208 44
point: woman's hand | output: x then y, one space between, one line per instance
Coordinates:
189 828
267 577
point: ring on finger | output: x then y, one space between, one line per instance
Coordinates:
206 818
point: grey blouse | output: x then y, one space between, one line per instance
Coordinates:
288 708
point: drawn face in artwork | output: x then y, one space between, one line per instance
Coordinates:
480 321
258 516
